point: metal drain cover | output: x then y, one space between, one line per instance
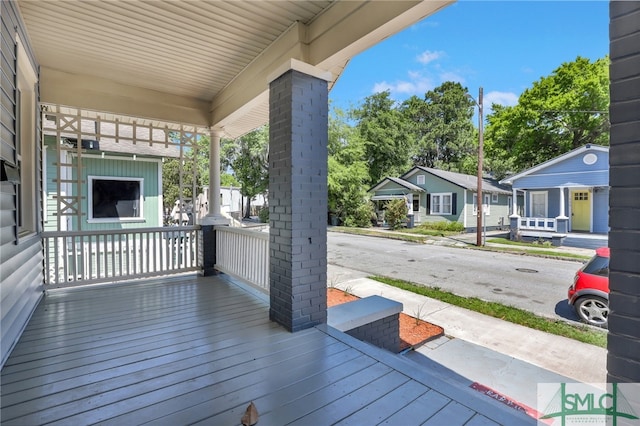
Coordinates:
528 271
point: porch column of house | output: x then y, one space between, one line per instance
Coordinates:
623 343
213 217
562 221
298 135
514 219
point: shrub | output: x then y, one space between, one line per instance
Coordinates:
263 214
443 226
360 217
396 213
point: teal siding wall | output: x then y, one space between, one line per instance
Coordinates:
498 214
145 168
434 185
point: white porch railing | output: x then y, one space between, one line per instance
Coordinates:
86 257
538 223
244 254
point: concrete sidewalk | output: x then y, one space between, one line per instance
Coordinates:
509 358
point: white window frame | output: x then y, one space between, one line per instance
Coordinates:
440 196
546 202
27 191
494 198
420 180
91 219
486 207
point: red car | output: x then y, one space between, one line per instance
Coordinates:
589 293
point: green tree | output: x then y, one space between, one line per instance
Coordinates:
189 181
227 179
249 161
444 134
348 173
387 135
560 112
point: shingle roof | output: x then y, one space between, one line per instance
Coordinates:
398 181
469 182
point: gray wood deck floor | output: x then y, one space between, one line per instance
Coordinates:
193 350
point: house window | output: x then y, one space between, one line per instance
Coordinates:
114 199
416 204
581 196
441 204
486 207
27 190
539 203
420 180
494 198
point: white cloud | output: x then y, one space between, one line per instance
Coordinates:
452 76
429 56
416 84
501 98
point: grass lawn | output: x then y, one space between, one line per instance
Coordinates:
379 232
583 333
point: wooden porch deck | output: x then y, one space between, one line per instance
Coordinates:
188 350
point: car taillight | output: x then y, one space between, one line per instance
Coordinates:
575 281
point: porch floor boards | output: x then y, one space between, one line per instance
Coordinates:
189 350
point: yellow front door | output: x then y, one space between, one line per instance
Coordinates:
580 210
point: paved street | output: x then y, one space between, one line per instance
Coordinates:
536 284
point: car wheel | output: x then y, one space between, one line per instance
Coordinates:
593 310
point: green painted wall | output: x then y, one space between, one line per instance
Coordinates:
145 168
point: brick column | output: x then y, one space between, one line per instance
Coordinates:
623 361
298 126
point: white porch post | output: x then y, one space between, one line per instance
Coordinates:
562 210
514 202
214 217
562 221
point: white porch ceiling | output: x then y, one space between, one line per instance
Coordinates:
199 62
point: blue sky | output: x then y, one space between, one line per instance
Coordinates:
502 46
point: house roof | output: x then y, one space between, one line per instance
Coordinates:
462 180
206 63
398 181
589 147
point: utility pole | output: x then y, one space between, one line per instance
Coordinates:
479 239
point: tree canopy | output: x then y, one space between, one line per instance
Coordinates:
386 135
348 173
442 127
560 112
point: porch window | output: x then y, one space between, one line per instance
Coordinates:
441 203
539 204
115 199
